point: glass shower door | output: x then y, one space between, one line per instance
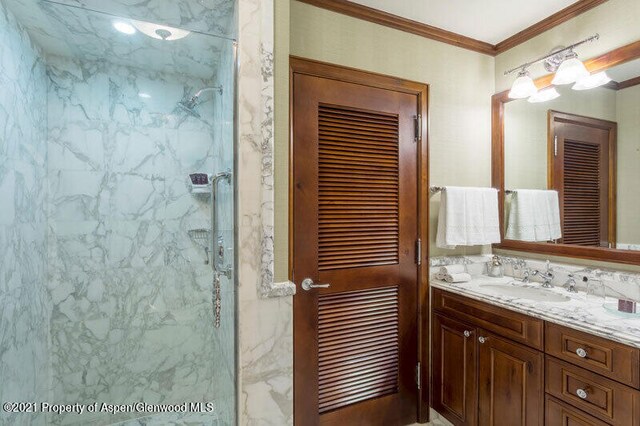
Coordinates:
128 320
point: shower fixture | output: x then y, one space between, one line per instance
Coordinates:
201 237
160 32
190 104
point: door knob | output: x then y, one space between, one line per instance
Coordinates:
307 284
482 339
467 333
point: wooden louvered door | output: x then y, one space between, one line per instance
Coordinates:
582 159
355 226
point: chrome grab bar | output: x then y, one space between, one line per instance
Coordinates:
218 242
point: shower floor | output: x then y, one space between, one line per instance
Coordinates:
175 419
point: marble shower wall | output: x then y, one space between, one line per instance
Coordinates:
265 323
24 305
132 311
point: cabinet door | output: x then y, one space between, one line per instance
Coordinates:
511 383
454 370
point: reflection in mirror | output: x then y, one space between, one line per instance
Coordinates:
582 147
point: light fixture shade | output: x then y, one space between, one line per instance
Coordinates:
595 80
570 71
160 32
523 87
544 95
124 27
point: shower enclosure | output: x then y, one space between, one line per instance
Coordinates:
117 294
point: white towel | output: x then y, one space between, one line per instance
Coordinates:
452 269
468 217
458 278
453 274
448 271
534 216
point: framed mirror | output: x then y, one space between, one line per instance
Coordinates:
575 158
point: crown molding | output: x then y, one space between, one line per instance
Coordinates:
546 24
628 83
366 13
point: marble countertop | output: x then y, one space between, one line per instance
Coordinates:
580 312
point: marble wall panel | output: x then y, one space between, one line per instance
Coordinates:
24 305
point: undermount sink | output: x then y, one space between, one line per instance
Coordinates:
530 293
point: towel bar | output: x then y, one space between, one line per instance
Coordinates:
434 189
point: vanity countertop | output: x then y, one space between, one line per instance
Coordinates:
579 312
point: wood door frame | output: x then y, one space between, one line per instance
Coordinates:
498 101
612 129
298 65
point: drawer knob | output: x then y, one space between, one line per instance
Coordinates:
482 339
581 353
467 333
582 394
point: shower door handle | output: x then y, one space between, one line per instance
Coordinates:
215 234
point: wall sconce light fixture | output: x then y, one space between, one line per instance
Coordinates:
562 61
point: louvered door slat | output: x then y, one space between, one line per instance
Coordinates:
582 193
357 346
356 204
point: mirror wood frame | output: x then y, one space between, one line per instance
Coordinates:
610 59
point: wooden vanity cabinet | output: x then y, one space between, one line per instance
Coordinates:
511 383
455 371
480 378
493 366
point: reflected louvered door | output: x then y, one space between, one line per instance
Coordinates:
581 175
355 226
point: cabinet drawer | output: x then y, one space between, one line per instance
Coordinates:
602 356
559 413
603 398
512 325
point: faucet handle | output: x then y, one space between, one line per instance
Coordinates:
570 285
549 268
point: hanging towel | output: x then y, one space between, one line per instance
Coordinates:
534 216
468 217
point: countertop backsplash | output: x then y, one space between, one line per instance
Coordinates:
624 285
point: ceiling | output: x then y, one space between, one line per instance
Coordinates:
491 21
74 29
214 17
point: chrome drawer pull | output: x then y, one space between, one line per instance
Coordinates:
582 394
467 333
581 353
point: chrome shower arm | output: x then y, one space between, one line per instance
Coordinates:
207 89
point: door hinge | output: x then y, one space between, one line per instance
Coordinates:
419 252
418 127
555 146
418 376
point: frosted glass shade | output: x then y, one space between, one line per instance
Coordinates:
523 87
570 71
592 81
544 95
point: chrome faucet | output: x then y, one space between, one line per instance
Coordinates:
570 285
546 276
